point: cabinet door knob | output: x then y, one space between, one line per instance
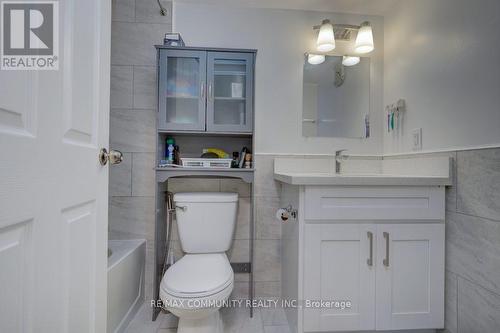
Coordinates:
386 260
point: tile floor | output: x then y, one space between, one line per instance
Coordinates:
236 320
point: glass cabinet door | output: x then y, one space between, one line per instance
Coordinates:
230 95
182 87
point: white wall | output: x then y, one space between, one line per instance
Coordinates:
281 37
443 57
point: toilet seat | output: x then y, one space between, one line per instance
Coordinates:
198 276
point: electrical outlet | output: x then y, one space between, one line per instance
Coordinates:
417 138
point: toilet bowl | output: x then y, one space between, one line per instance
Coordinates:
195 288
199 284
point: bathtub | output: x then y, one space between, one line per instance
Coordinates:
125 281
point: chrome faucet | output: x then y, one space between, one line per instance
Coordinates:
338 158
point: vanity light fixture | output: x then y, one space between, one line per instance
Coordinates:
364 39
326 37
350 61
315 59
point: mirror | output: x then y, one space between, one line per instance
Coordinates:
336 99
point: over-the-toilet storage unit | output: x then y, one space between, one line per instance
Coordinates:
200 107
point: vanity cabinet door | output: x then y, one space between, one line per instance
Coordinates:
182 90
410 276
230 92
339 265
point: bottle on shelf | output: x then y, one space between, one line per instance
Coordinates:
170 150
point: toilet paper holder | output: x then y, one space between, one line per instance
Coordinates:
285 213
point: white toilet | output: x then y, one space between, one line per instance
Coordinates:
194 287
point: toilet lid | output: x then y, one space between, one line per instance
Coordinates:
197 275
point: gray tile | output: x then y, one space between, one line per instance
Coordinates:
167 330
473 249
120 177
123 10
143 174
133 43
267 262
243 219
235 185
149 12
268 227
241 277
277 329
478 191
133 130
273 316
175 230
193 185
237 320
267 289
177 250
167 320
451 302
240 251
145 87
142 322
478 309
149 268
133 215
121 87
265 185
451 191
240 290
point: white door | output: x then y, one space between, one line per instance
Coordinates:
339 265
410 276
53 191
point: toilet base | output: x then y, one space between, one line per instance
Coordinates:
211 324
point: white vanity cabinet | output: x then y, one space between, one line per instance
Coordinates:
336 268
392 274
381 248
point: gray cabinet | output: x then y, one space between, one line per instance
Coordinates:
205 90
230 99
182 90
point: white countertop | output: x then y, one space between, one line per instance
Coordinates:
435 171
360 179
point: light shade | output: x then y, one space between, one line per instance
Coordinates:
364 40
350 61
315 59
326 37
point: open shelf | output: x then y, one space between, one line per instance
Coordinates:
163 174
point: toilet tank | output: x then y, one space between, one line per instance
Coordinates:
206 221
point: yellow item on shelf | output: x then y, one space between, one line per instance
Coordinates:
219 152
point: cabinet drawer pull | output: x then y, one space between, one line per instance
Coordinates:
369 261
386 260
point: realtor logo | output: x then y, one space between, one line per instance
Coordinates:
29 35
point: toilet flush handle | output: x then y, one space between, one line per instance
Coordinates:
183 208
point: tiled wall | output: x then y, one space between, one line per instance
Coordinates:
473 244
137 26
